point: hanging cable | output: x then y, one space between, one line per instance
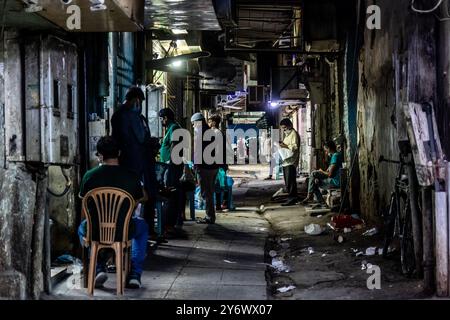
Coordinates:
67 188
425 11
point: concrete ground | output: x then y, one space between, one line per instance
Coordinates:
230 260
222 261
331 270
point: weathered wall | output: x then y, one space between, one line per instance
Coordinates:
2 105
16 229
406 40
62 212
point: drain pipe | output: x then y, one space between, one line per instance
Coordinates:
427 224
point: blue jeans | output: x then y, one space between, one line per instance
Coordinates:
322 182
138 246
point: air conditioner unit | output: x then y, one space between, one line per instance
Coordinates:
257 94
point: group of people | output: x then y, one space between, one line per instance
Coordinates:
318 179
128 161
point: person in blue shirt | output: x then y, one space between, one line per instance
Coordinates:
325 179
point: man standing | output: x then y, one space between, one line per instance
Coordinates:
291 142
130 130
174 171
110 174
207 172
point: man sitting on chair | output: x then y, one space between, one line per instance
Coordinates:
110 174
325 179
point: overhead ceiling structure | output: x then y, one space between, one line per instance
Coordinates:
96 15
13 16
264 24
181 15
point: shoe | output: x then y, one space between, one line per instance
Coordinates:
307 200
319 206
100 279
289 203
134 281
268 178
205 221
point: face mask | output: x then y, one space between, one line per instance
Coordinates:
288 131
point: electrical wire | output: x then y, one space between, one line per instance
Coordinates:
67 187
425 11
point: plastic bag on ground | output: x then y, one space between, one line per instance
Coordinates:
313 229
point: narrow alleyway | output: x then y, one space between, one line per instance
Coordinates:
231 259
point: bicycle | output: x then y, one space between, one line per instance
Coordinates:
399 219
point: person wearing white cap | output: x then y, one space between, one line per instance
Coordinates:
206 172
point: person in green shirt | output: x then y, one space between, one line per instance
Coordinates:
325 179
173 210
110 174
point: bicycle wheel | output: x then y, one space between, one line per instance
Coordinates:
408 259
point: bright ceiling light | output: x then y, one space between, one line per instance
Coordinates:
98 5
177 63
33 6
273 104
179 31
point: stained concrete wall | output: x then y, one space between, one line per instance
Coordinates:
2 109
62 211
411 38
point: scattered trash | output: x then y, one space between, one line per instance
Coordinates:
285 289
347 230
354 250
331 227
371 251
359 253
380 251
310 250
364 265
339 238
278 265
285 239
345 221
319 216
228 261
261 209
313 229
370 232
324 255
272 253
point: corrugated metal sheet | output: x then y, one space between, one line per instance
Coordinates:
181 14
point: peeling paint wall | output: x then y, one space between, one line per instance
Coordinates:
403 34
2 108
62 212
